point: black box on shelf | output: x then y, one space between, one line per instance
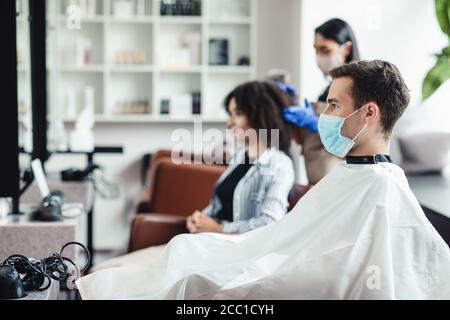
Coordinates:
197 8
165 106
196 103
218 52
243 61
180 7
167 7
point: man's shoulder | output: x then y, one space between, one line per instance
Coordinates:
389 173
378 172
374 179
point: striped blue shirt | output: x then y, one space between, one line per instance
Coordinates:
261 197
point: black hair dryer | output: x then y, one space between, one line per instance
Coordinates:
11 286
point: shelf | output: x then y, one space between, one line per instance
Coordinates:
151 68
130 118
126 89
187 69
75 83
128 41
69 41
193 118
135 19
230 8
93 19
180 20
218 86
113 19
230 69
131 68
162 19
238 40
149 118
87 68
230 20
166 72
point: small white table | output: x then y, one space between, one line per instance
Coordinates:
74 192
52 293
20 235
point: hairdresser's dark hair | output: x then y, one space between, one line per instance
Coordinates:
340 31
262 102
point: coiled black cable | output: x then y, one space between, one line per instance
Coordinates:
37 274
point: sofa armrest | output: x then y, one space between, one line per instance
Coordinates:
145 198
191 184
155 229
181 189
296 193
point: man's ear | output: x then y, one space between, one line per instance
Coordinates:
372 112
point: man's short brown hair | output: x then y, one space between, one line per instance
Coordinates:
379 82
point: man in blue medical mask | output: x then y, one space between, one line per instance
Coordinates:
361 113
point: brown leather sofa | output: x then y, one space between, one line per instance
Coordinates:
173 192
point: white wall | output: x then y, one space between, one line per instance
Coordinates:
278 34
404 32
279 47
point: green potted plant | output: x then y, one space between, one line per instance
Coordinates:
440 73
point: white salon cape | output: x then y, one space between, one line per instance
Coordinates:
358 234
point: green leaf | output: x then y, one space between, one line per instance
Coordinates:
443 15
439 74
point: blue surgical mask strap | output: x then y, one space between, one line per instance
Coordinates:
355 112
361 131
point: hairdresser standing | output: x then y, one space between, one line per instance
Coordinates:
335 45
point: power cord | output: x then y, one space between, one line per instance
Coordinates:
93 173
37 274
106 189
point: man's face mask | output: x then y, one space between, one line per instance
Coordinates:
330 133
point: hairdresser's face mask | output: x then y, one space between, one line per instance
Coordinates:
330 133
326 63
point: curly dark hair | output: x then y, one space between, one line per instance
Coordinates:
262 102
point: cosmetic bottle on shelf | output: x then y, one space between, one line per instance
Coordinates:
82 138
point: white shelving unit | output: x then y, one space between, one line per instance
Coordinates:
23 59
162 69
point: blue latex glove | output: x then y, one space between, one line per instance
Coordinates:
288 88
302 116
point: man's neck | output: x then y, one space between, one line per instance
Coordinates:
375 147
